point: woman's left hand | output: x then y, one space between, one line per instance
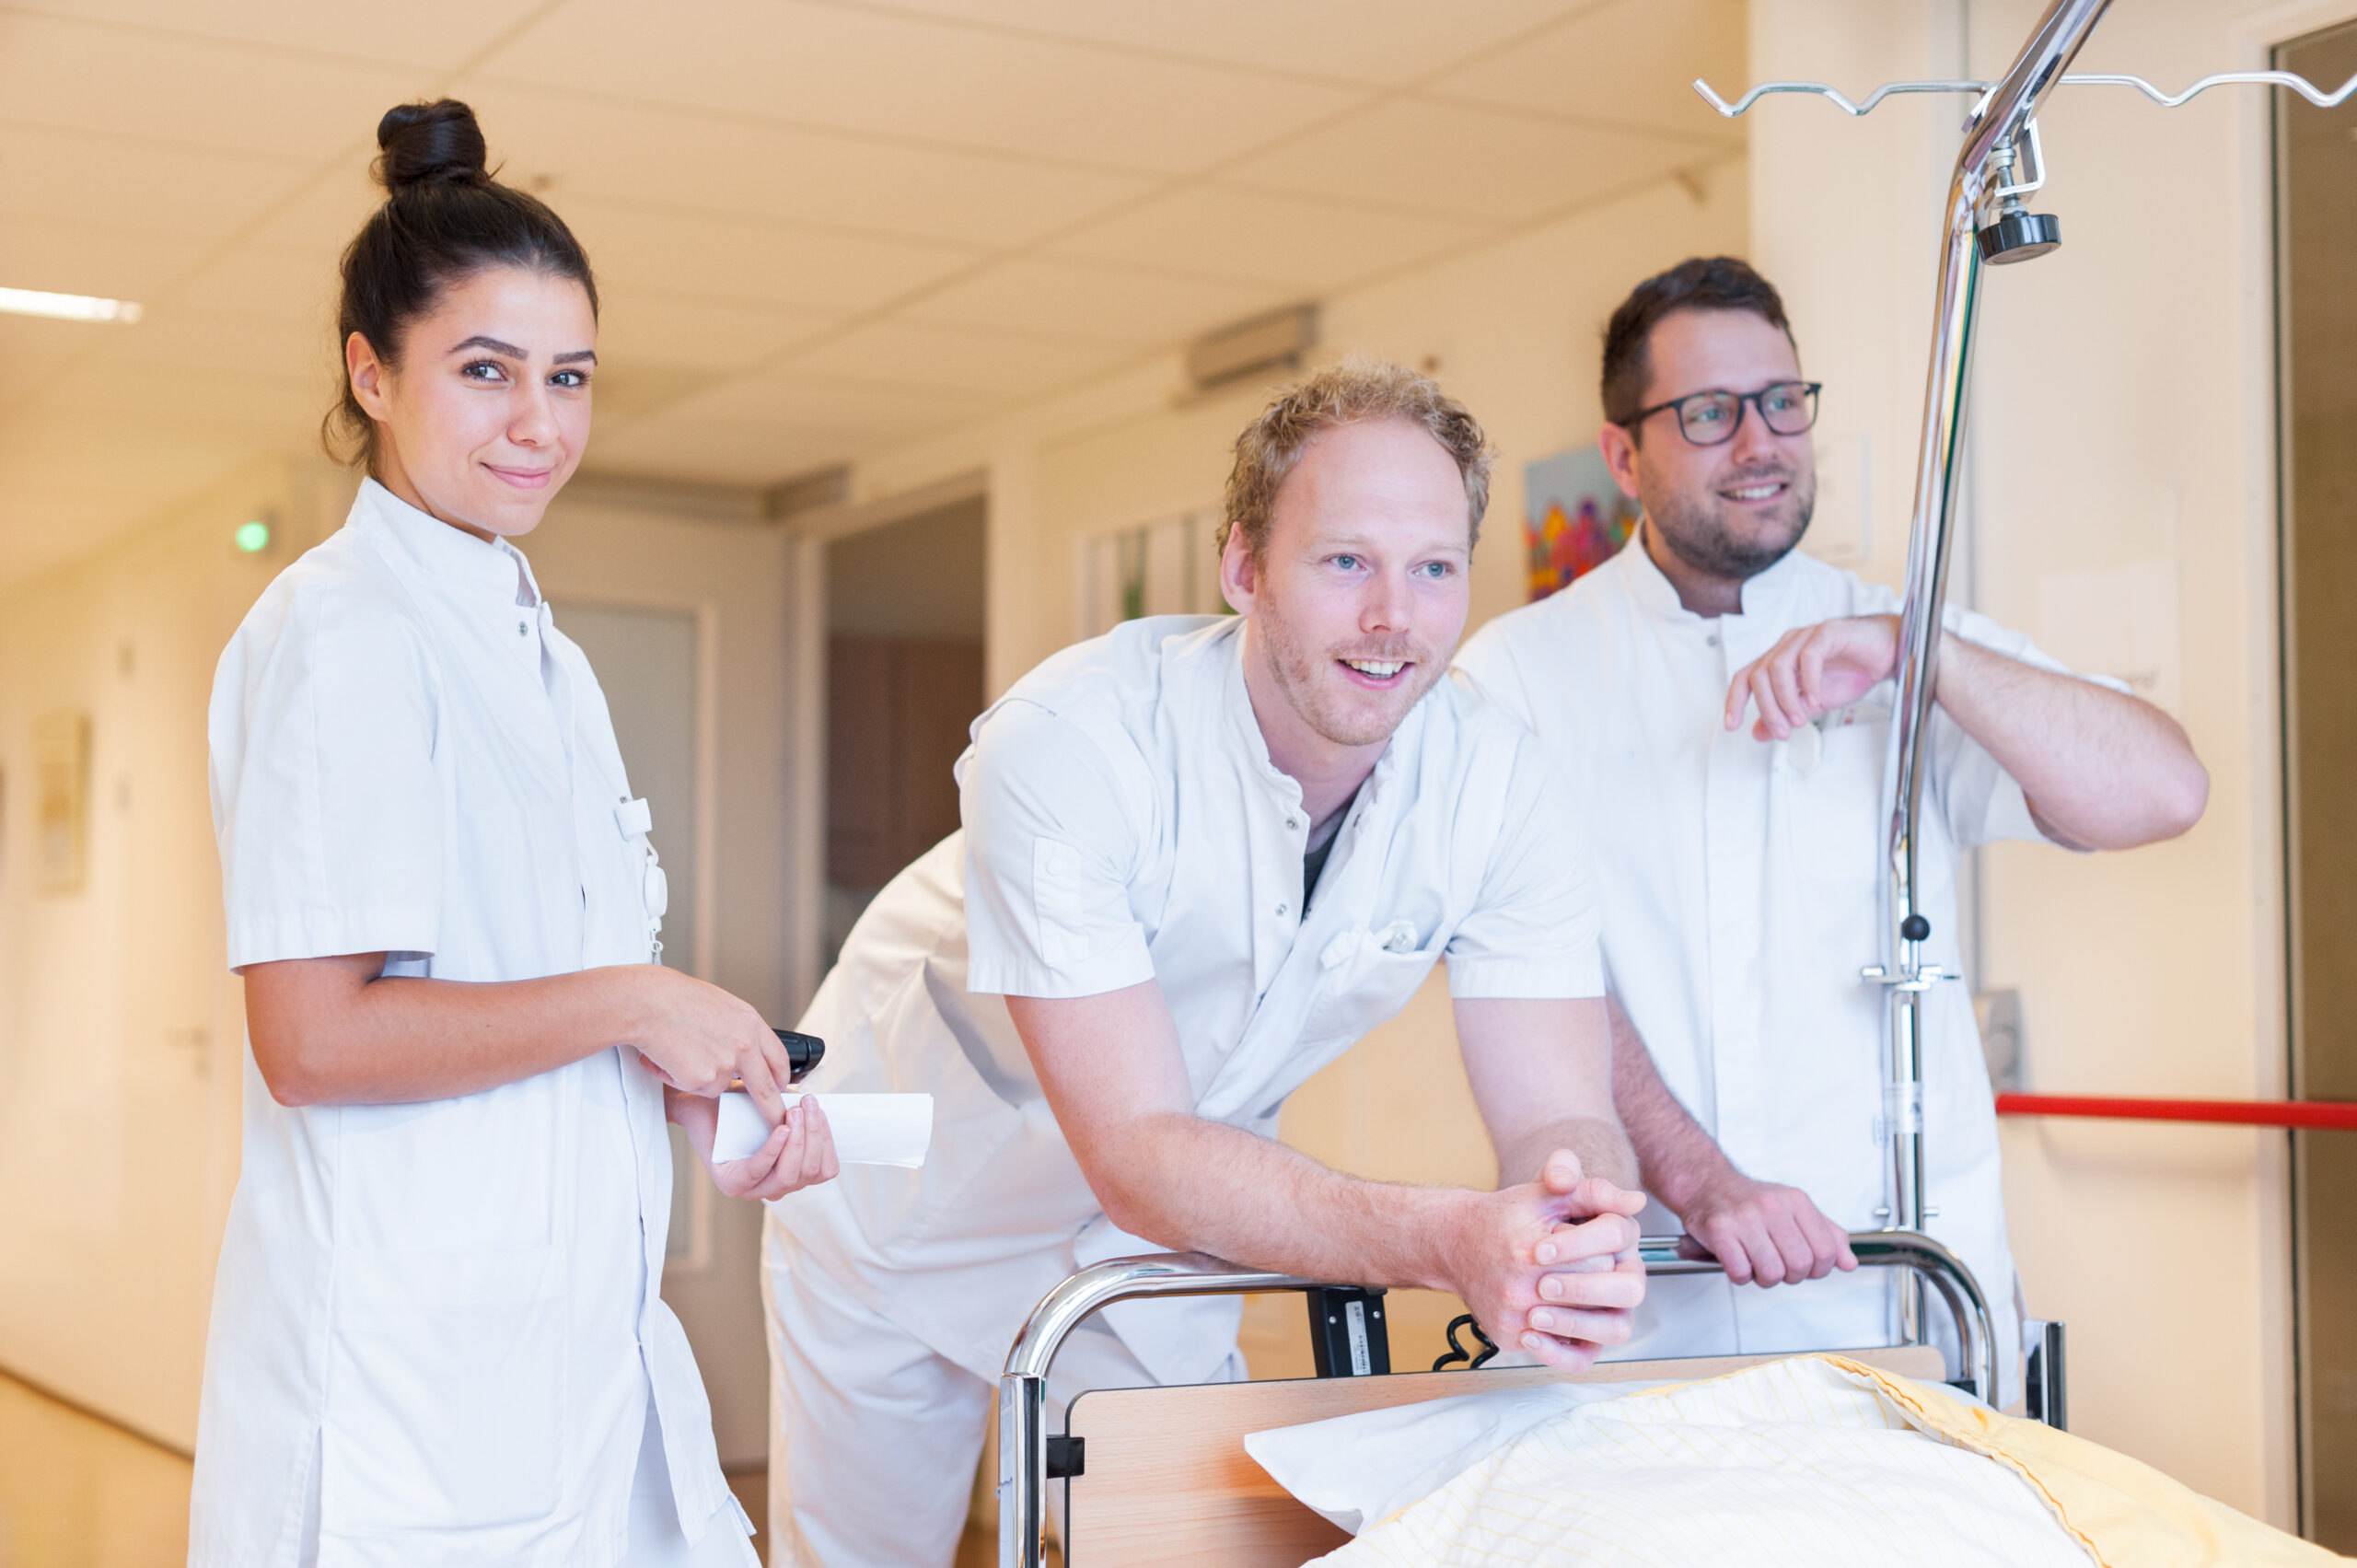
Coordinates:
798 1152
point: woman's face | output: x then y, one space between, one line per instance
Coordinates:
488 411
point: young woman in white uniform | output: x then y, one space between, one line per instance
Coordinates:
437 1336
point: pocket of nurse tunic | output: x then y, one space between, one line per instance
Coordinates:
1837 799
446 1392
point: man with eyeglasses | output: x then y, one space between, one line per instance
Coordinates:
1740 864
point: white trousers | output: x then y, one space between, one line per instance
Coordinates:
874 1437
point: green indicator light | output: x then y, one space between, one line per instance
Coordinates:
253 537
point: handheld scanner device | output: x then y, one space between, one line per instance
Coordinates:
803 1052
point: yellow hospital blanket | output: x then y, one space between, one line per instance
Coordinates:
1812 1461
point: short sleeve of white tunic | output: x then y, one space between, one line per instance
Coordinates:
1052 845
1533 932
327 803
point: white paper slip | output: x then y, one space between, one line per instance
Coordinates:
868 1129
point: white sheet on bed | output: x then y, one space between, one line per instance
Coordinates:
1794 1463
1367 1465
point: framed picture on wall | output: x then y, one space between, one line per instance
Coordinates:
1575 519
1163 567
61 800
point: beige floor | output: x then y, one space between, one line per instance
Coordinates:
78 1493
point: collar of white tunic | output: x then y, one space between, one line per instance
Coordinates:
1768 595
446 555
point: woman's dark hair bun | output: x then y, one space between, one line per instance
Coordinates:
425 141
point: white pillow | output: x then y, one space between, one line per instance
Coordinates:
1359 1470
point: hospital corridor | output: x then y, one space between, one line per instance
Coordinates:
926 784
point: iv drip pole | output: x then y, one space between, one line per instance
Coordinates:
1985 223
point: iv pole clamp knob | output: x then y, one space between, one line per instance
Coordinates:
1915 928
2014 233
2019 237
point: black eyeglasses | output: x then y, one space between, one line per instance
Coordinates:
1710 419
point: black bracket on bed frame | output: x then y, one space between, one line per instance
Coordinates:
1067 1456
2042 1375
1347 1336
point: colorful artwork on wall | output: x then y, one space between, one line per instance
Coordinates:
1574 517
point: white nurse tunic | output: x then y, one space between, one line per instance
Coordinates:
436 1330
1739 881
1123 823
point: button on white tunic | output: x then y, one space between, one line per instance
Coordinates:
1739 882
1123 823
436 1330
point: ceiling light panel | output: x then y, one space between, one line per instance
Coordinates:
66 306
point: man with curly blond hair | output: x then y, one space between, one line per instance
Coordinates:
1201 856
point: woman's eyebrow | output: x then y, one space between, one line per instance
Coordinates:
590 355
493 344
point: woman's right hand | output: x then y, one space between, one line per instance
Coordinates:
698 1039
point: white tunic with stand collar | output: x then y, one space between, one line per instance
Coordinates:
435 1329
1123 823
1741 884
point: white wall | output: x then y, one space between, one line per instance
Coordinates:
120 1033
2121 413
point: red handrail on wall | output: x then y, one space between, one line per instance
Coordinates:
2333 1115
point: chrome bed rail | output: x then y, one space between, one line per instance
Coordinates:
1023 1386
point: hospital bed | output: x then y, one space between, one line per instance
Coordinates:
1161 1476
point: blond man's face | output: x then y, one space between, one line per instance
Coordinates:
1362 590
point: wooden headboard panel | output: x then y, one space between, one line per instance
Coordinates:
1168 1482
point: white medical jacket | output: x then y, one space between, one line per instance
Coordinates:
436 1325
1740 883
1123 822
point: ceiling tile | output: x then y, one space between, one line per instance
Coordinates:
669 447
1073 300
636 323
170 186
196 92
904 78
320 216
934 356
1628 63
785 399
1374 42
185 339
33 351
1308 245
262 280
1448 158
763 263
117 262
436 33
732 165
252 411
